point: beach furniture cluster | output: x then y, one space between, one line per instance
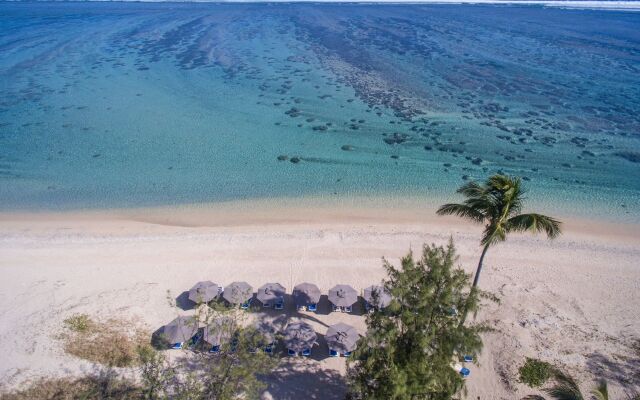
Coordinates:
298 337
306 296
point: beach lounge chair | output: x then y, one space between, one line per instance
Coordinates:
267 304
312 307
336 308
268 348
279 304
347 309
465 372
291 352
333 353
177 346
347 354
468 358
306 352
246 305
214 349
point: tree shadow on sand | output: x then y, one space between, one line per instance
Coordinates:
300 380
183 302
622 369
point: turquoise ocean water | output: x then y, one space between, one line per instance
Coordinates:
106 105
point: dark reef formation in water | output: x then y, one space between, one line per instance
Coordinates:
461 91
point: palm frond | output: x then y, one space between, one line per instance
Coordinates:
472 190
503 182
461 210
566 388
534 223
493 234
601 391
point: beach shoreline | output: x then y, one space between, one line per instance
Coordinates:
125 262
304 211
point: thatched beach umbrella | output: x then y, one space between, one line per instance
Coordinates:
270 293
343 295
180 329
218 331
306 293
267 330
299 336
237 292
383 297
203 292
342 338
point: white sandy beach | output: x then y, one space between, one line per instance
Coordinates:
574 301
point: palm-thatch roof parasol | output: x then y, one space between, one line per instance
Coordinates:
299 336
203 292
342 338
383 297
306 293
270 292
343 295
237 292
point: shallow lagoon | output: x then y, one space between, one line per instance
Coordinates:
122 105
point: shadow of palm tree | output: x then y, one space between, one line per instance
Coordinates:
299 380
622 369
310 317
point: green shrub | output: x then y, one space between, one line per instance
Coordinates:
78 323
535 373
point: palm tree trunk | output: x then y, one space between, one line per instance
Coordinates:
477 277
475 282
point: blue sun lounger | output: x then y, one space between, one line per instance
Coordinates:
177 346
333 353
214 349
465 372
291 352
468 358
312 307
306 352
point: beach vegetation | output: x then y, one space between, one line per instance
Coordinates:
565 387
498 204
78 323
412 346
103 386
115 342
535 373
232 372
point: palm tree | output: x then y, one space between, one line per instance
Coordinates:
498 204
566 388
601 391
